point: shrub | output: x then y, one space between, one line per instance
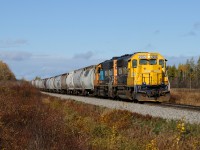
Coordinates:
28 123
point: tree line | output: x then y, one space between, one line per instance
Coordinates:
185 75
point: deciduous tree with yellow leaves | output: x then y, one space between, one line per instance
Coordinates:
5 72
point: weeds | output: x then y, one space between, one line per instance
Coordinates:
117 129
30 120
27 123
185 96
152 145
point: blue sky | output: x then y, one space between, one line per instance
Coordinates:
48 37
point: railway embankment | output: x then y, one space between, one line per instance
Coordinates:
192 116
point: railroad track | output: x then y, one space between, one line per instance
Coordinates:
172 105
182 106
178 106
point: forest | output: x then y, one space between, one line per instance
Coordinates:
185 75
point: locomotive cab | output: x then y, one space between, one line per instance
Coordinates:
148 77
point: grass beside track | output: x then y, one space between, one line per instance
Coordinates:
30 120
185 96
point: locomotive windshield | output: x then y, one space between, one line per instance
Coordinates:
152 62
148 62
143 61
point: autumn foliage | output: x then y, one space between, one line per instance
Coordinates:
185 75
27 123
5 72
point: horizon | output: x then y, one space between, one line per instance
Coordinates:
171 61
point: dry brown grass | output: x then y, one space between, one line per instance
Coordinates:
30 120
185 96
103 128
27 123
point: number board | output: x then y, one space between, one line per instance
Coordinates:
153 56
149 57
142 57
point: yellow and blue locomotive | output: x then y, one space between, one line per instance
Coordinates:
140 76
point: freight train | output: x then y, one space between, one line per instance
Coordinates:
141 76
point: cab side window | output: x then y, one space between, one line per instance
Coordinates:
134 63
161 62
101 77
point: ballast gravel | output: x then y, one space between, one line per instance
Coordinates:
155 111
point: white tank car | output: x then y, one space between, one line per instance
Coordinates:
77 79
48 84
44 83
41 84
87 78
69 80
57 83
51 83
63 81
37 83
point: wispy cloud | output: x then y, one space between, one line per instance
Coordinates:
196 25
193 31
14 55
190 33
156 32
86 55
12 43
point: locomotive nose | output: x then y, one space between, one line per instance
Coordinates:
152 75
